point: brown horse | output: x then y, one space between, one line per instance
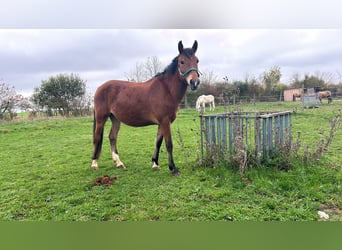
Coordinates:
325 94
154 102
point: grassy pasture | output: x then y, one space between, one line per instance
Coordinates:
45 174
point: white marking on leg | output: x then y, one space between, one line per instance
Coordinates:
117 161
94 165
155 166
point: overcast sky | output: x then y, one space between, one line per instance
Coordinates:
35 46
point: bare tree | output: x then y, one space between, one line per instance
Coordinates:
7 99
339 76
10 101
145 70
327 77
209 77
136 74
252 82
152 66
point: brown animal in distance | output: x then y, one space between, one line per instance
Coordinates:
325 94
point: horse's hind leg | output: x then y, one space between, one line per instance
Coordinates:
97 140
155 157
113 135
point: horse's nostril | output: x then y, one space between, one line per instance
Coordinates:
194 84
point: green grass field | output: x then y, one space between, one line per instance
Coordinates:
45 174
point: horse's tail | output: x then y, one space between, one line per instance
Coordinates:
94 123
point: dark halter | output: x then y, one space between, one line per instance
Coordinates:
188 71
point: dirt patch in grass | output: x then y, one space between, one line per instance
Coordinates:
334 211
104 180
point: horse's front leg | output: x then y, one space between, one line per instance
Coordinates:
203 107
169 147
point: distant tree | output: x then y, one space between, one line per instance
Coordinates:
11 102
82 105
339 77
209 77
309 81
271 78
338 86
295 82
152 66
338 89
7 99
253 86
137 74
145 70
60 93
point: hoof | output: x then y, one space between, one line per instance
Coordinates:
155 166
94 165
122 166
175 172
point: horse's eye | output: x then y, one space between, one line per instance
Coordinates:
197 61
182 62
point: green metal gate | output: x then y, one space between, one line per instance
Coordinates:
261 132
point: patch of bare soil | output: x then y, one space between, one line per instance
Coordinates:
334 212
104 180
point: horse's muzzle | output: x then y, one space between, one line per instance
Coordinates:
194 84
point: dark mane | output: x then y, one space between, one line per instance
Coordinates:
171 68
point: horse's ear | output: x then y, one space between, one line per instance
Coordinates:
194 47
180 47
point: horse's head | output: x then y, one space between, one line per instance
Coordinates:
187 65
